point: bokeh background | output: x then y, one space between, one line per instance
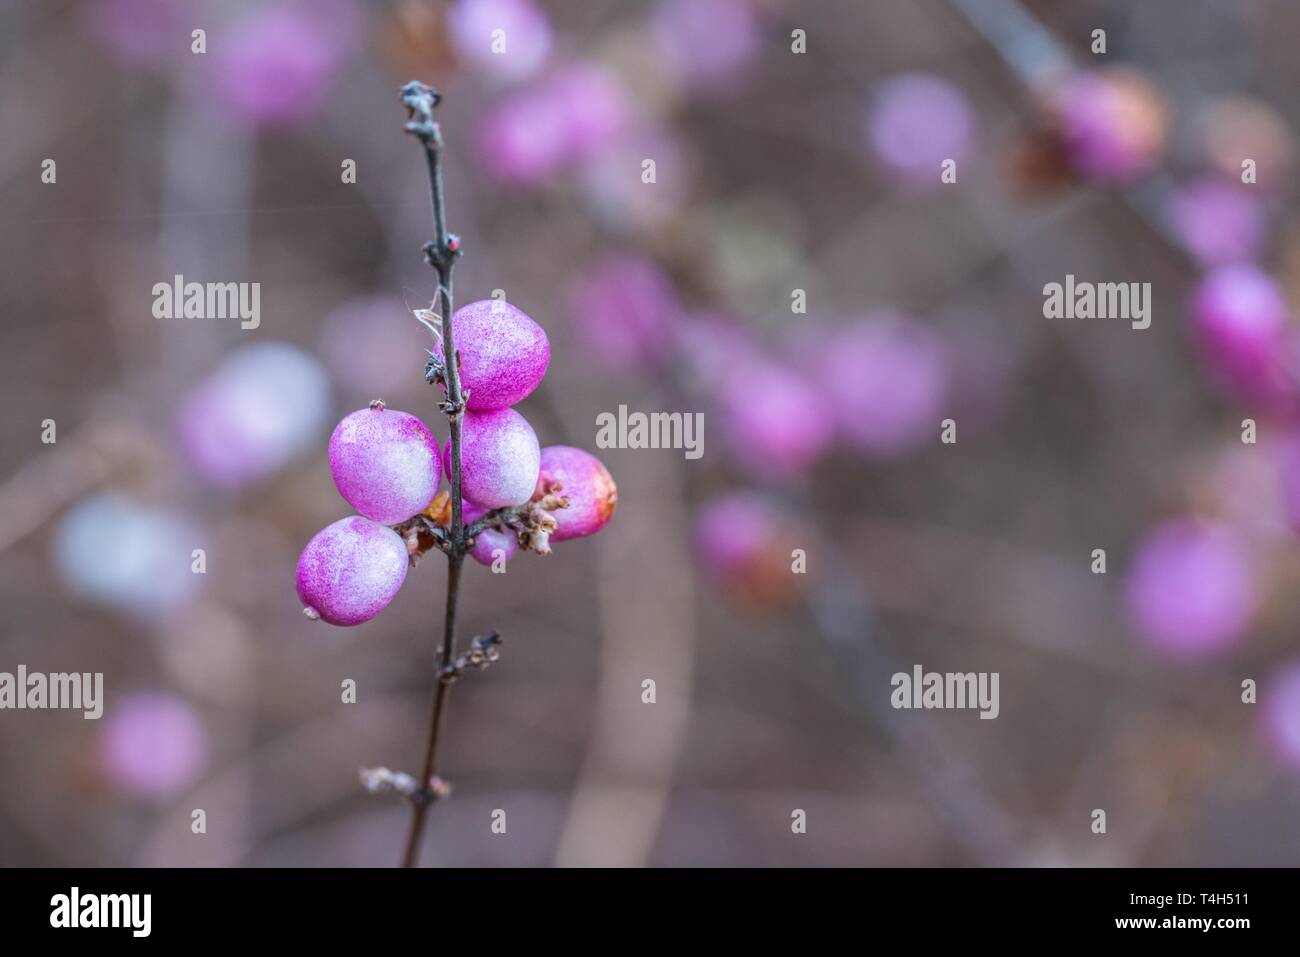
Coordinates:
775 171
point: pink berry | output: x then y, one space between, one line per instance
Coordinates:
499 458
489 541
586 483
503 353
385 463
1190 589
1240 319
350 571
1113 124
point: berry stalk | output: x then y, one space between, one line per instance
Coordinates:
441 254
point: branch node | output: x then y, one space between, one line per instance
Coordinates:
483 651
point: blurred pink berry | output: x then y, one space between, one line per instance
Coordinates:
1218 222
594 105
489 541
1280 698
707 43
522 138
916 122
503 353
264 406
1113 124
774 423
731 532
153 744
1240 319
517 51
350 571
500 458
275 65
1190 588
627 312
886 379
586 483
566 118
743 544
385 463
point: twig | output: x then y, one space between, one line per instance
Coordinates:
441 254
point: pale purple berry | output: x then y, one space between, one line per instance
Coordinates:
489 541
133 557
1280 698
153 744
385 463
350 571
586 483
1113 124
503 353
473 25
1240 319
887 380
264 406
499 456
1190 589
1218 222
918 121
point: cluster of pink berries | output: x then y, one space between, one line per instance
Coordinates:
387 465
